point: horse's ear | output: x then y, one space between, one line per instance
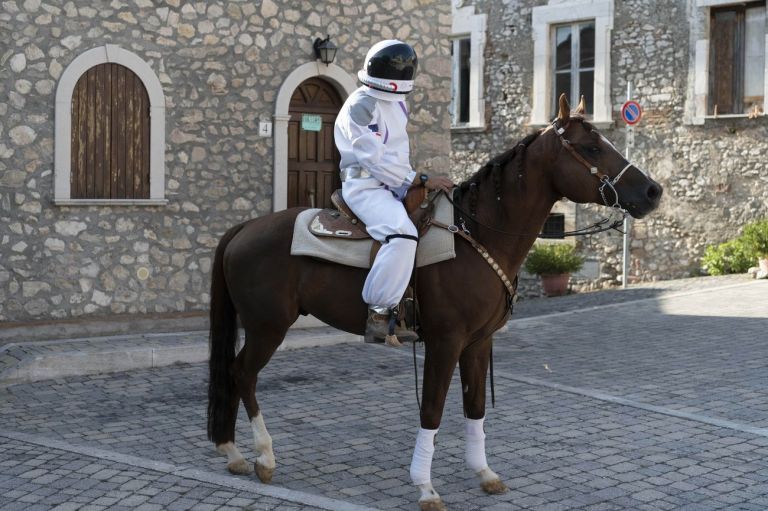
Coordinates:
582 108
565 110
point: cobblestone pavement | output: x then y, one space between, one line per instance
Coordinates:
14 356
656 403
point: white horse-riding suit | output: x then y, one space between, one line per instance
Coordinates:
370 134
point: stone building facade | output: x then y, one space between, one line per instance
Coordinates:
712 164
220 78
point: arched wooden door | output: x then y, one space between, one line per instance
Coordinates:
313 161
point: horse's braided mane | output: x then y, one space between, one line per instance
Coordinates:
494 169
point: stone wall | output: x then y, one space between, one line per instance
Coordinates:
221 65
714 176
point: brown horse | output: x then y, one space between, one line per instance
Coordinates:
462 301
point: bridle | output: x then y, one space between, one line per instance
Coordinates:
605 180
606 224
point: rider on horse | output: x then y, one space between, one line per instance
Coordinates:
376 173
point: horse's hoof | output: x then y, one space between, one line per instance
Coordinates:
239 467
432 505
264 474
495 487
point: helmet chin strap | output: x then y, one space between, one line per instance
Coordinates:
386 96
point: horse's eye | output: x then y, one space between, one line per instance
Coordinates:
594 149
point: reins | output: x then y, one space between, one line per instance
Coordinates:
595 228
606 181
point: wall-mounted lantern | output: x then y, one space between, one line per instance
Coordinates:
325 50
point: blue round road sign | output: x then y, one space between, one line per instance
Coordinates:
631 112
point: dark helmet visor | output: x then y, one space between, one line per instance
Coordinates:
395 62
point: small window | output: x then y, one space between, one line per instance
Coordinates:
571 55
554 227
109 131
467 48
110 135
574 63
737 59
461 51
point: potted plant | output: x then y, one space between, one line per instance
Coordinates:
554 263
756 239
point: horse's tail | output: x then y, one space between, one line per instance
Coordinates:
222 340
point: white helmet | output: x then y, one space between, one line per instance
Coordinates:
390 67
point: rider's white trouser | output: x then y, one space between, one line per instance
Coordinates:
383 216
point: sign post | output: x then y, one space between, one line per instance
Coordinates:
631 113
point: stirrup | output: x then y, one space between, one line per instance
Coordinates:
387 329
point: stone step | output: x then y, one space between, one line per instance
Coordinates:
119 324
35 361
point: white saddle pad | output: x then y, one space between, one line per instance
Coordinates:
435 246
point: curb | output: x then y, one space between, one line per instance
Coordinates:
97 356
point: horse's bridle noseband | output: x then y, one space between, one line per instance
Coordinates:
605 180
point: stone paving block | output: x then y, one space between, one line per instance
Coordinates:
149 507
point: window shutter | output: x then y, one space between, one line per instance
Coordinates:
110 135
726 62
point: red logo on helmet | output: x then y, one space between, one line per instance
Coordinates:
394 86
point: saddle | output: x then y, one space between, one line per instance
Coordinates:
343 223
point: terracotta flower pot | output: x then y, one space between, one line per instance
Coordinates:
555 285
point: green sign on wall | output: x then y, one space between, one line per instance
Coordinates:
311 122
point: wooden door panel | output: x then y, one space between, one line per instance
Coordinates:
293 189
329 148
311 148
293 133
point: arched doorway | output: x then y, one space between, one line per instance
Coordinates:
313 161
343 83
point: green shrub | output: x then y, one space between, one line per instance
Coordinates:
756 238
733 256
738 254
553 259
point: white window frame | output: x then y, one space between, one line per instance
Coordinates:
467 24
108 53
698 91
561 12
575 69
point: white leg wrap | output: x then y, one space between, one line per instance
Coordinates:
231 451
262 442
421 464
475 447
